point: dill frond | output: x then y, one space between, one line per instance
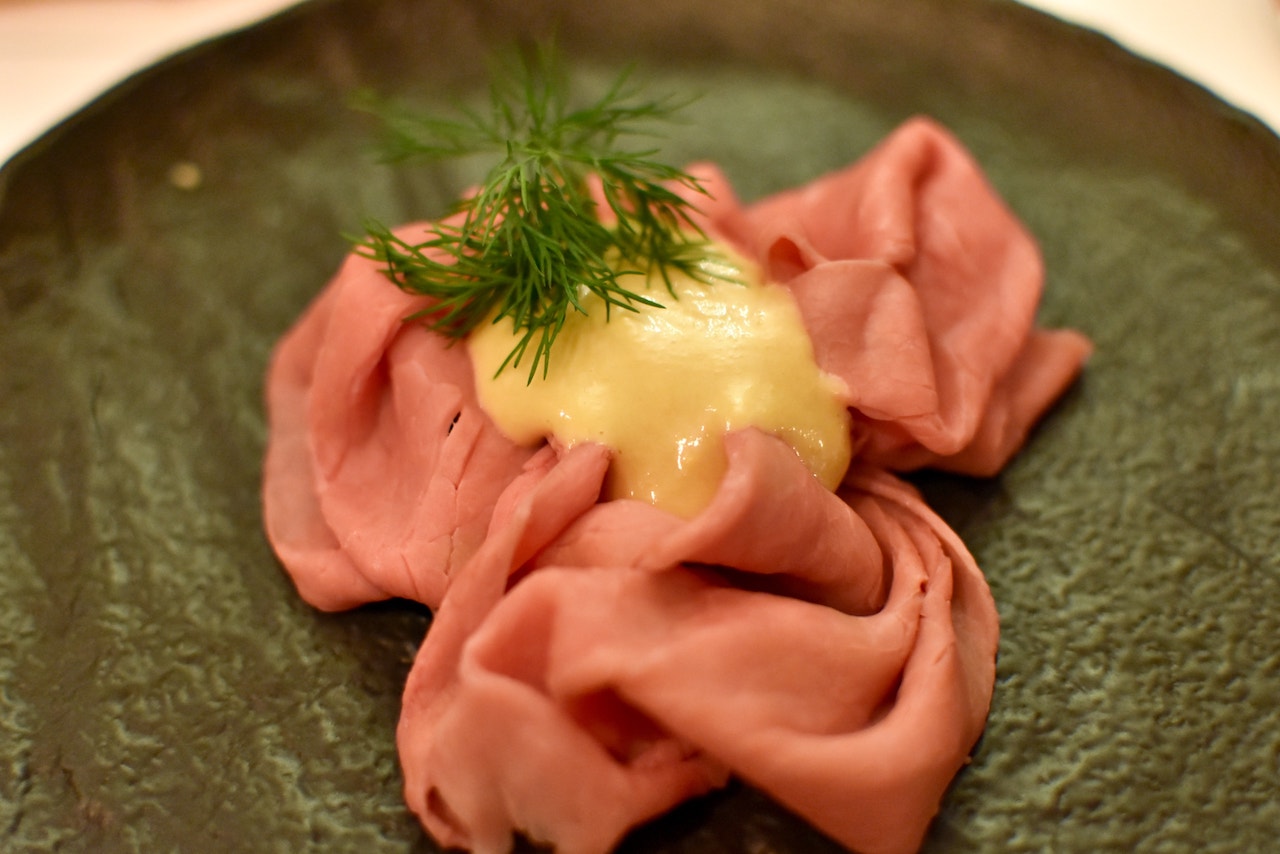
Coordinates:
531 236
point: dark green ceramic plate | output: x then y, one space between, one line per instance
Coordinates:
163 689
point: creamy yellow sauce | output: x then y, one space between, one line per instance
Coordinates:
662 386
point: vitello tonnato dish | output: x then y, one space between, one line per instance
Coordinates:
167 688
673 550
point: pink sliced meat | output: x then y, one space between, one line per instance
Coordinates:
817 548
592 663
919 289
592 697
382 470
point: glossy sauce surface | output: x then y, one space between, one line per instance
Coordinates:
661 386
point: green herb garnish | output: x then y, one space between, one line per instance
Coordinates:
530 240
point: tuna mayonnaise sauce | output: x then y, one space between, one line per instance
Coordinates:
662 386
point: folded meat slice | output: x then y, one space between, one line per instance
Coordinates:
784 532
590 698
919 288
382 470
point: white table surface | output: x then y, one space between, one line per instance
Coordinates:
57 55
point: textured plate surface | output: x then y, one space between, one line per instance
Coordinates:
162 687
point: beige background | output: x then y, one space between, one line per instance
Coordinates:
56 55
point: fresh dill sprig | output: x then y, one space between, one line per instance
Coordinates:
532 239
